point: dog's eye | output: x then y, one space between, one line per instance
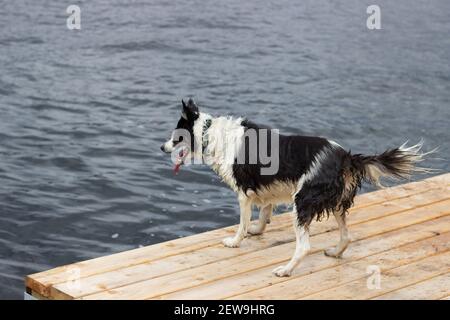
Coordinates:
179 140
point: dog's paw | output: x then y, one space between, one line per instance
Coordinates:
231 242
282 271
255 229
332 253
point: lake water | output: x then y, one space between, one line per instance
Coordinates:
83 113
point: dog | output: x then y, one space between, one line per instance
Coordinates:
315 175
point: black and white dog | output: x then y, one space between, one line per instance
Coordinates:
314 174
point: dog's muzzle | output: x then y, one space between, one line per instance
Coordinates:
165 148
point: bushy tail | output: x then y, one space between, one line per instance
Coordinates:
397 163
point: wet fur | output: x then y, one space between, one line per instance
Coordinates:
315 174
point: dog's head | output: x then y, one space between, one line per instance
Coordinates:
182 138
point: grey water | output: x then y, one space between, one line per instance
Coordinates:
83 112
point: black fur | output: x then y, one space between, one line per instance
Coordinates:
190 113
334 185
392 161
329 191
295 156
339 178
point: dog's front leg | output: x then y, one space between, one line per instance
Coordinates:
264 218
246 214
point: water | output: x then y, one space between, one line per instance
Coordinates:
83 113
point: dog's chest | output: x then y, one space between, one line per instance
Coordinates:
276 193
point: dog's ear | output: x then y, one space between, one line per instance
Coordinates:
184 110
190 110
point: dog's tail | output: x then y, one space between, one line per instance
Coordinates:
397 163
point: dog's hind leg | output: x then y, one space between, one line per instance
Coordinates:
344 238
245 205
302 248
265 214
310 203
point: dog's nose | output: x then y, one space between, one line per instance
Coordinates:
162 148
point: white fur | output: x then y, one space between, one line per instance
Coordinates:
275 194
168 146
265 214
245 205
224 141
344 240
314 168
198 134
302 248
411 156
335 144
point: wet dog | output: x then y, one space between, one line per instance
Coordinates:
315 174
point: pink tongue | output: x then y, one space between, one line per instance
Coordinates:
176 169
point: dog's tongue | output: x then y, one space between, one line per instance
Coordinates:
176 169
177 166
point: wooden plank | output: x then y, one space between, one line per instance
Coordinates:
261 283
42 282
391 207
355 269
135 273
400 191
432 289
255 260
37 296
393 279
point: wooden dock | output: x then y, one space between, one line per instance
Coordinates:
403 232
